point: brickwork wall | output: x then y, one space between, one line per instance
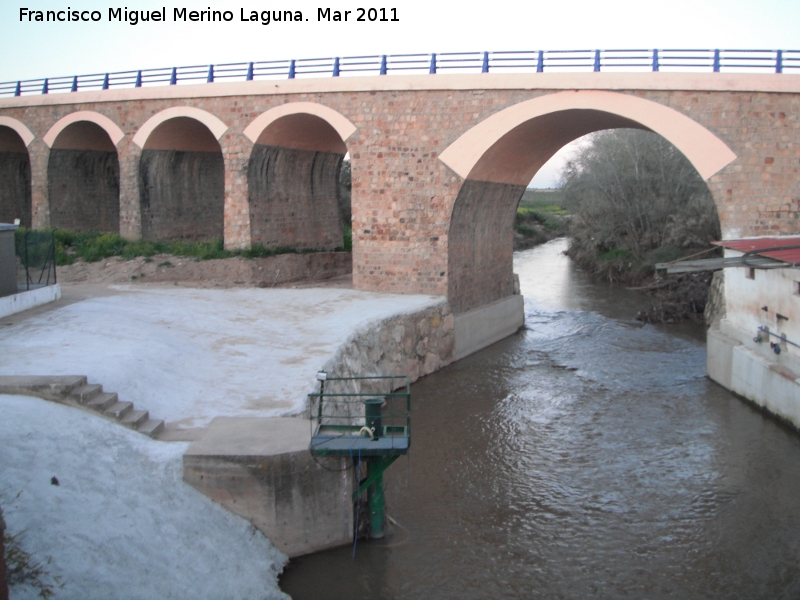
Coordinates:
83 188
481 247
15 188
293 198
403 196
182 195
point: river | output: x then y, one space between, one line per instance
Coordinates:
587 456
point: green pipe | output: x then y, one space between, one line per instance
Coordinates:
375 498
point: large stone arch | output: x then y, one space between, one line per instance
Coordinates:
83 174
294 195
499 156
15 172
181 175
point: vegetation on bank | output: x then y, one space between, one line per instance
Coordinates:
637 201
541 217
93 247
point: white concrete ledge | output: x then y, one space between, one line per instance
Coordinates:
487 324
15 303
769 383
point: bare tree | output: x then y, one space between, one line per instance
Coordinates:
637 199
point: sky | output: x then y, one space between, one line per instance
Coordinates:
31 50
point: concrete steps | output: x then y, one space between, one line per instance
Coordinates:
75 390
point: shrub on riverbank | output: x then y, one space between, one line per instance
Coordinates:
637 201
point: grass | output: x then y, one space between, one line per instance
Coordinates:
543 209
93 247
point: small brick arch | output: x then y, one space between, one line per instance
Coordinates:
15 172
115 134
25 134
214 124
294 195
306 116
181 175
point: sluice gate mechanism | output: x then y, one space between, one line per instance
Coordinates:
368 420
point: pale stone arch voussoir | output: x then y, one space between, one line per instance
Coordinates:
22 131
112 129
215 125
476 154
294 135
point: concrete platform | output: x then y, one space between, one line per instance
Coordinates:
261 469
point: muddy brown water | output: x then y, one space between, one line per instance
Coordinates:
585 457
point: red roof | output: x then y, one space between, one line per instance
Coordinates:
769 247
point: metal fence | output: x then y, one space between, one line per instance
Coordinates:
534 61
36 253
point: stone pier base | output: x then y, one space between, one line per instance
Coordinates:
488 324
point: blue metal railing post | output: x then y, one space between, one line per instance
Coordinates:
579 61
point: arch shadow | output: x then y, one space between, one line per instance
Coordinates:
181 175
294 190
15 172
83 176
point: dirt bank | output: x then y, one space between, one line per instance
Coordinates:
227 272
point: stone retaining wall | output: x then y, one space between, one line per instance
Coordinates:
413 344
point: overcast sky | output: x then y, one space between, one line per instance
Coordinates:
30 50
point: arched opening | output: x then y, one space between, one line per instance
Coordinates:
83 179
501 155
15 178
294 189
181 182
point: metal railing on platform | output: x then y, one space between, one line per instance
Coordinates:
533 61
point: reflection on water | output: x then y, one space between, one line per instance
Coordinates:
586 457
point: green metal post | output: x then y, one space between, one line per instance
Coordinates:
375 499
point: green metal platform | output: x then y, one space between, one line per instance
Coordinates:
367 419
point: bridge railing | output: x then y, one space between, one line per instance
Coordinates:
533 61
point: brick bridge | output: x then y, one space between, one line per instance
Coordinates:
438 163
